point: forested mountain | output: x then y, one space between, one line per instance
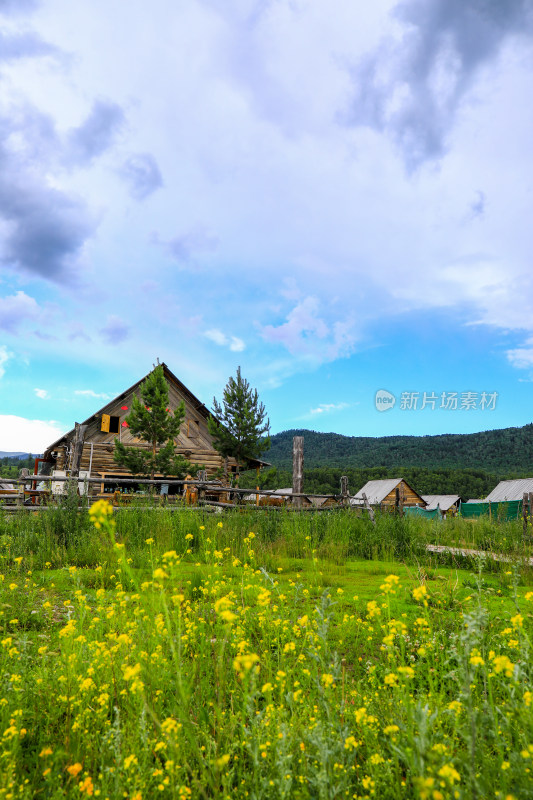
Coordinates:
11 464
469 484
470 465
507 451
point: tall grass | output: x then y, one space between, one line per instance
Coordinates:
55 534
209 677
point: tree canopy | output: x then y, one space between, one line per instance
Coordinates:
239 426
152 420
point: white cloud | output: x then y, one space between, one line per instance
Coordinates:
5 355
216 336
307 334
327 408
16 308
235 344
27 435
522 357
274 176
42 394
92 393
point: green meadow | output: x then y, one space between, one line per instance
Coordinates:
255 654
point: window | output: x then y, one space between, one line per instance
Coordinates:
110 424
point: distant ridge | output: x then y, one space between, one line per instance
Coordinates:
11 454
505 451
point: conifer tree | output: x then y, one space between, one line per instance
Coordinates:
151 420
239 425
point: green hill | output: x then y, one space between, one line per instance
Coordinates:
508 451
470 465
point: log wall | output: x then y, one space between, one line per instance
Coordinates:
410 497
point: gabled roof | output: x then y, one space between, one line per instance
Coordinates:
510 490
443 501
169 375
198 405
376 491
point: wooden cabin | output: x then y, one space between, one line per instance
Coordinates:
448 504
385 494
104 426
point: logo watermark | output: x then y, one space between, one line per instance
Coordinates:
384 400
446 401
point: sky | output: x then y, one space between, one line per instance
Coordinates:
333 195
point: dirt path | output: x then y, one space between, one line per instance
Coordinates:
463 551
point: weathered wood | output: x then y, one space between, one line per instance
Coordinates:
297 470
369 509
77 450
344 490
202 477
216 503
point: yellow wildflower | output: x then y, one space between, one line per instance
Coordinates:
86 786
420 593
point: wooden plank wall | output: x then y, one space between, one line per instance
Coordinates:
193 442
103 461
410 497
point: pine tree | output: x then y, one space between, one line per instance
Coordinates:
151 420
238 425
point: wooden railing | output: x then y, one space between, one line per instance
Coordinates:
27 495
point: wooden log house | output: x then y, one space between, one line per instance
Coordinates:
388 494
100 430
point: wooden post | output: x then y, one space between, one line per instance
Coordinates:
369 509
397 500
402 498
257 485
77 450
530 504
201 489
344 490
297 469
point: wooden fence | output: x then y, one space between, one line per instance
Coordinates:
194 493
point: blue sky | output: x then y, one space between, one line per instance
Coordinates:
335 196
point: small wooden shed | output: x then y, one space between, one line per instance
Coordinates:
447 503
384 494
108 423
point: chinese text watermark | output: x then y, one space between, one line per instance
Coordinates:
447 401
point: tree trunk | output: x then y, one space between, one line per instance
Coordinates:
152 473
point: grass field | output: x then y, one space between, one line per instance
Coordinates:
255 655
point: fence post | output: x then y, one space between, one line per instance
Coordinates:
77 450
201 489
344 490
297 470
369 509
